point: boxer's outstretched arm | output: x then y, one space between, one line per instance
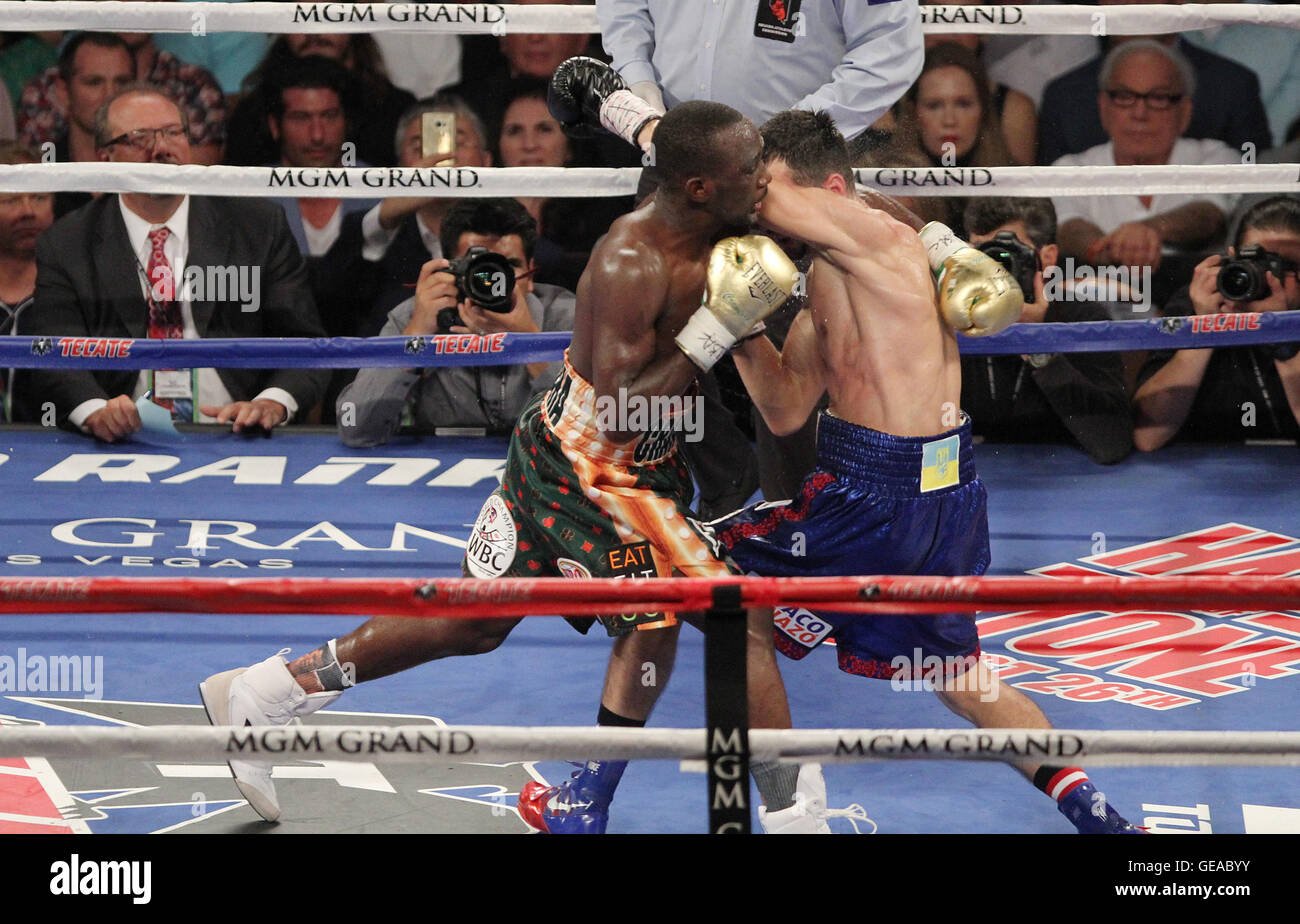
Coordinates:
891 207
785 386
837 225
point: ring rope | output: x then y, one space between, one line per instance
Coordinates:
415 743
440 350
592 182
512 597
499 19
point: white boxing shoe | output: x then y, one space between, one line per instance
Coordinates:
808 814
264 694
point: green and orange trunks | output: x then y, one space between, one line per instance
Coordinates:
572 504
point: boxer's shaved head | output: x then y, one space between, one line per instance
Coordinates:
811 144
687 141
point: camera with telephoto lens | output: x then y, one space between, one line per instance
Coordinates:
1244 277
1017 257
483 277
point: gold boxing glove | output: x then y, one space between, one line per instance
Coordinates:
748 279
976 294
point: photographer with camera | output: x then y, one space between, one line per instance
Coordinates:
1050 397
485 288
1231 393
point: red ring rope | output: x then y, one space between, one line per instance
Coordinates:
512 597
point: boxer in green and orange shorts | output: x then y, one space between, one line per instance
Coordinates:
574 504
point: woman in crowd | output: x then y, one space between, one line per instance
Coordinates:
947 118
568 228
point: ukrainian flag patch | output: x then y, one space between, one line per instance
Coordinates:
940 464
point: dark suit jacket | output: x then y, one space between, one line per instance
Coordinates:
1226 106
88 284
395 273
342 282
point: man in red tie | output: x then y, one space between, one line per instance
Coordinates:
169 266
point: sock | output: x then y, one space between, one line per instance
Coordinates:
775 782
1059 782
319 671
600 778
609 718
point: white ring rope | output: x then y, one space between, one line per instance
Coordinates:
202 18
410 743
499 19
463 182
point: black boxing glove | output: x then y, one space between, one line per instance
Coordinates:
586 95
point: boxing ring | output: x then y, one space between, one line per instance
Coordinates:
301 506
206 505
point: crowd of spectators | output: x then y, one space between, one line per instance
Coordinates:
365 267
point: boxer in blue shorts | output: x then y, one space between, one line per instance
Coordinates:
895 490
868 509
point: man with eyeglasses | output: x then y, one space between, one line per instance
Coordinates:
1145 104
169 266
1233 113
44 110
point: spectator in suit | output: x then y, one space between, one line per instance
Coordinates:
1229 393
1076 398
123 266
1232 111
489 398
42 111
251 144
1146 104
24 217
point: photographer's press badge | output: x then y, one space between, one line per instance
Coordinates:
777 19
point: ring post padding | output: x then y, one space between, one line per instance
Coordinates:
726 708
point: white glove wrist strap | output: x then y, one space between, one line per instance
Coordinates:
704 339
623 113
940 243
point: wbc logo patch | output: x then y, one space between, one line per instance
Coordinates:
492 544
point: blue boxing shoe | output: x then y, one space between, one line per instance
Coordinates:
579 806
1090 813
